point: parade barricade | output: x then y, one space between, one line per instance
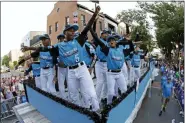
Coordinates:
57 110
7 107
8 104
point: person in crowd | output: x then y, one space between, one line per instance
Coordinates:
167 93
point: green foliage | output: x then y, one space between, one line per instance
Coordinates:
5 61
14 63
138 16
169 21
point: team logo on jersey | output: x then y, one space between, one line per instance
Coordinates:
71 52
38 68
116 58
46 57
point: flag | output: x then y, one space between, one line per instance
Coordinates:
95 1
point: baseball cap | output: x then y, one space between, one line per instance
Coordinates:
117 36
110 37
105 31
61 35
69 26
44 36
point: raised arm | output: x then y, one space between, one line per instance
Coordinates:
105 49
32 55
82 35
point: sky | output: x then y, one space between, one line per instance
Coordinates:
18 18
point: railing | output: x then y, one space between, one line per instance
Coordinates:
8 104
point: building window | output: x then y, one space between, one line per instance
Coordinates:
50 29
100 25
67 20
83 20
58 9
56 26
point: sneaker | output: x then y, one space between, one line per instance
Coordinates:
160 113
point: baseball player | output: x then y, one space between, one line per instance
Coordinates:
89 53
71 53
47 62
115 59
136 64
101 69
61 37
62 72
35 68
128 48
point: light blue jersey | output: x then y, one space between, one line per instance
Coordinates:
100 54
167 89
70 52
88 51
163 80
115 58
46 60
136 60
36 69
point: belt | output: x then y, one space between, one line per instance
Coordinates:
114 71
46 67
136 66
102 60
36 75
76 66
127 59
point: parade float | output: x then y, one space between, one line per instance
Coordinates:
56 110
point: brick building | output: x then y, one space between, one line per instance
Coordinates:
62 14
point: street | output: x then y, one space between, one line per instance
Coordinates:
150 108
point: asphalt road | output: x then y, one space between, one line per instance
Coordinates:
150 108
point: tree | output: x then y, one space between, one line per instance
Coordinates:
132 15
14 63
5 61
137 16
169 21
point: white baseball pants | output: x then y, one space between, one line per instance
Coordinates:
112 80
137 73
130 73
37 82
125 72
62 75
81 78
101 84
46 78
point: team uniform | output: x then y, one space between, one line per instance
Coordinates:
47 70
35 68
89 55
128 49
71 53
62 76
115 60
136 65
101 69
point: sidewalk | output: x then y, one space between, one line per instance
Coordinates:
150 108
